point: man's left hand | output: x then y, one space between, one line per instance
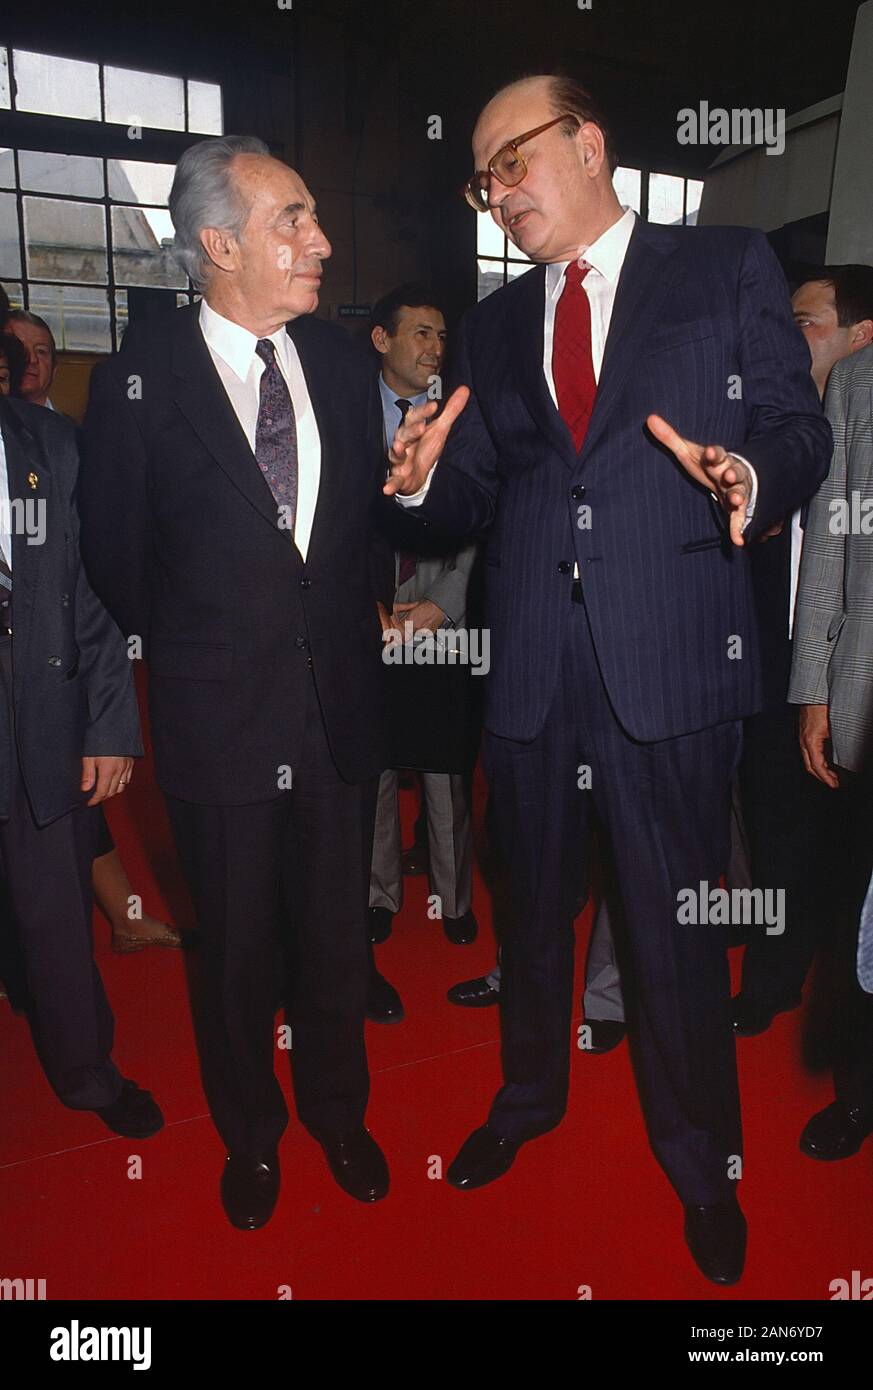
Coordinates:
422 614
722 473
106 776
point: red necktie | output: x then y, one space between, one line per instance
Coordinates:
572 366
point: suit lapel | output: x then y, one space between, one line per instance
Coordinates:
528 333
29 480
643 285
203 400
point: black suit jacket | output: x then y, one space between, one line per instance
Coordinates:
73 688
182 542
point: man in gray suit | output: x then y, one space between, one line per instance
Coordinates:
832 681
409 333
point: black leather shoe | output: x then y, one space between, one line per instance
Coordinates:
384 1004
380 924
836 1132
716 1237
135 1114
481 1159
249 1189
358 1164
461 930
751 1017
473 994
416 861
606 1034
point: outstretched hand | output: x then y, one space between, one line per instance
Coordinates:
419 441
728 477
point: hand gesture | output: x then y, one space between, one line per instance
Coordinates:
723 474
418 444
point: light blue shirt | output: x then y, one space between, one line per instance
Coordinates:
391 414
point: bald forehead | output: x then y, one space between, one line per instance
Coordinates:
515 109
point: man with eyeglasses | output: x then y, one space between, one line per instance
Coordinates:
596 438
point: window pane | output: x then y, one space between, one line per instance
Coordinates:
204 108
65 241
142 248
7 169
77 315
13 294
61 173
144 98
10 252
133 182
626 183
57 86
490 241
665 198
120 315
4 78
490 278
693 194
516 268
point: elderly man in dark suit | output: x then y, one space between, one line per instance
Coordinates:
597 440
232 460
69 731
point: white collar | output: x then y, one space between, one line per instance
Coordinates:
605 255
234 344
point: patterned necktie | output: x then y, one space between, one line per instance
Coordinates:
406 560
572 365
865 943
276 434
5 593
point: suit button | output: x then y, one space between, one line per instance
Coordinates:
301 643
564 567
65 600
306 583
578 493
54 661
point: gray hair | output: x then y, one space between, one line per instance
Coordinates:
205 194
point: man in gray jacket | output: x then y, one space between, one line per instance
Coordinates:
832 681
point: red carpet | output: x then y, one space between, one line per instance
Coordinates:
585 1206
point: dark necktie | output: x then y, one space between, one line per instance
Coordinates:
572 364
5 595
276 433
406 560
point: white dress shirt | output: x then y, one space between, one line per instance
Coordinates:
606 257
232 349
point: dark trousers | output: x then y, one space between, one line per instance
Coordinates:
665 808
796 843
282 883
47 930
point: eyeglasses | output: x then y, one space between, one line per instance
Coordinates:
507 167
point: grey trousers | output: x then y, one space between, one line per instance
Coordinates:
449 839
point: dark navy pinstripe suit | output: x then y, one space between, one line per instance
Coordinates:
644 681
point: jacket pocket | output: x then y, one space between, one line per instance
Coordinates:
706 543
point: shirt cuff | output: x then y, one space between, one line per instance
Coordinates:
415 499
753 499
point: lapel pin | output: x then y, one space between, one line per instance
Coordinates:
32 480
